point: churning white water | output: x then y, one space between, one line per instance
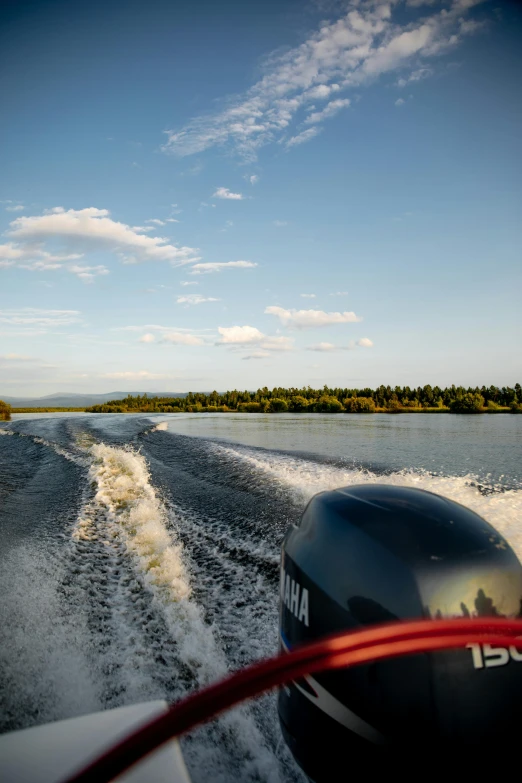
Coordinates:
141 563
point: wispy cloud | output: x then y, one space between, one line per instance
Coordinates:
16 357
253 179
182 338
339 293
322 347
280 223
367 41
308 296
328 347
162 328
33 316
415 76
218 266
88 273
257 355
90 229
329 111
156 221
169 335
195 299
309 319
188 282
303 137
33 257
15 208
227 194
400 102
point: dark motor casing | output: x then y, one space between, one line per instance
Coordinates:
369 554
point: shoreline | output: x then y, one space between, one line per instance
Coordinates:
387 411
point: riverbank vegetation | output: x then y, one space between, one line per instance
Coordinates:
47 410
384 399
5 411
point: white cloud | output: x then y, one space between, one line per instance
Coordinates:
195 299
33 316
10 252
303 137
202 269
143 228
88 273
367 40
155 328
16 357
33 256
364 342
257 355
156 221
181 338
321 92
277 343
225 193
188 282
308 319
148 338
308 296
16 208
239 335
339 293
253 179
399 101
171 220
92 228
329 111
415 76
280 223
132 375
322 347
242 336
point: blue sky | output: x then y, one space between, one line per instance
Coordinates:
200 195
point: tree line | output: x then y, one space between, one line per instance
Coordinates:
384 399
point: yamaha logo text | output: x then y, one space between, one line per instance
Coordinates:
294 597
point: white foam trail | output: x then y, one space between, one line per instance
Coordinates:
135 518
304 478
45 672
78 460
161 427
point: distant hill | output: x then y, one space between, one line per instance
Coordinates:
72 400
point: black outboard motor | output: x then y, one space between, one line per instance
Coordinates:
371 554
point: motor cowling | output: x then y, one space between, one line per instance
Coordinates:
371 554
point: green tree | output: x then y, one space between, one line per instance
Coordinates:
277 405
327 403
467 403
359 405
298 404
5 411
250 407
